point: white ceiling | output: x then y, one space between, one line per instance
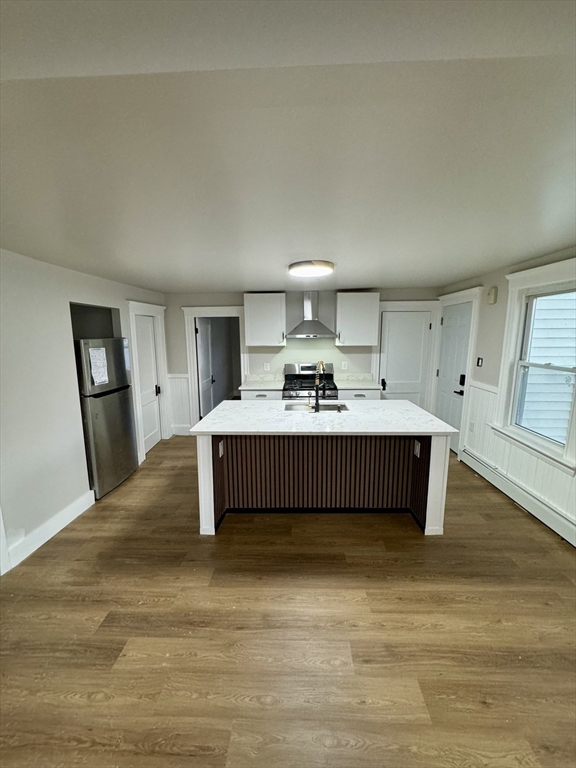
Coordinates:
433 164
71 38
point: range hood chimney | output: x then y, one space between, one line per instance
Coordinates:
311 327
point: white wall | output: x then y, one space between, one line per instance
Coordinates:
44 479
174 321
492 318
359 359
543 489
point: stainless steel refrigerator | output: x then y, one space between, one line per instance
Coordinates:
107 414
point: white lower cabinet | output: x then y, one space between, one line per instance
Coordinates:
358 394
261 394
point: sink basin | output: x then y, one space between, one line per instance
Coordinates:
304 408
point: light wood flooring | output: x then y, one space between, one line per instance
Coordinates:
289 641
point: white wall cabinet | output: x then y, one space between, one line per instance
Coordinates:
359 394
265 319
357 319
261 394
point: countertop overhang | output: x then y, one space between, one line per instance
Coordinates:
374 417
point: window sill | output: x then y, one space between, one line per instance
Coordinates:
535 447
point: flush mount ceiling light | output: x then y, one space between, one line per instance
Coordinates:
311 268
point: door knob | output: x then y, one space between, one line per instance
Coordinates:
459 392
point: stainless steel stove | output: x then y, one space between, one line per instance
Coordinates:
299 381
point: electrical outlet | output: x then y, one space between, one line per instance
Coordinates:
344 365
471 426
266 366
416 448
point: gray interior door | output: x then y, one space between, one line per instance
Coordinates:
453 361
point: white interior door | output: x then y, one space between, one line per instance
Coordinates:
453 361
405 356
148 380
204 354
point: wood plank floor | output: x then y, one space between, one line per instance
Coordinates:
289 641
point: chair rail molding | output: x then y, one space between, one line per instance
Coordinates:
157 312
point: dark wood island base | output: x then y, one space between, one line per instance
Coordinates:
316 472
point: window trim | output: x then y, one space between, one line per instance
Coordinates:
552 278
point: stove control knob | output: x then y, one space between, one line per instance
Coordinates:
310 394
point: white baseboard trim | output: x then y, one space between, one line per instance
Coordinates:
207 531
36 538
182 429
433 531
554 520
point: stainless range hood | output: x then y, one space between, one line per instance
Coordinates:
311 327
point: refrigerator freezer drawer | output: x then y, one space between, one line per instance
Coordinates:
110 439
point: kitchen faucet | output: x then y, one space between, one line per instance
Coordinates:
320 368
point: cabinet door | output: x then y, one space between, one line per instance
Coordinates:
359 394
262 395
357 319
265 319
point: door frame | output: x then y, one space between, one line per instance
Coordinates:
435 309
190 315
473 295
209 352
157 313
5 564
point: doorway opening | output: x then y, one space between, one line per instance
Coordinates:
205 365
218 361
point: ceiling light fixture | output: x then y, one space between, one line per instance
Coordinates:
311 268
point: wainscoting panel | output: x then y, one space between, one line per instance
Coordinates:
547 484
180 402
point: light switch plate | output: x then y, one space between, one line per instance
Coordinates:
344 365
221 448
416 448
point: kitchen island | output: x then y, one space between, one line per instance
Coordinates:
385 455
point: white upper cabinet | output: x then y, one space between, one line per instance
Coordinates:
265 319
357 316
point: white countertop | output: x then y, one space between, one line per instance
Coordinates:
358 384
374 417
263 384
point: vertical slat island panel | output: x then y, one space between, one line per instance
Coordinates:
321 472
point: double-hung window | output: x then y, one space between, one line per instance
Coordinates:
543 401
537 389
